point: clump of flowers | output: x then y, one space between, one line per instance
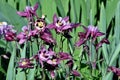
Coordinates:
51 58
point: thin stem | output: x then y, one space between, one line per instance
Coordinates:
37 43
43 74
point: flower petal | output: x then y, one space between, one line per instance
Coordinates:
23 14
36 6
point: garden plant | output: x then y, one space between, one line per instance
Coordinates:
59 39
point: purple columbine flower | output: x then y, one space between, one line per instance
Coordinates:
61 24
47 37
92 32
25 63
114 70
7 31
10 36
29 11
2 26
43 31
54 61
40 23
23 36
44 54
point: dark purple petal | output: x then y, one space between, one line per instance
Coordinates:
75 73
74 25
23 14
47 37
52 73
51 26
104 40
64 56
10 36
70 63
66 27
114 70
99 34
80 42
66 19
36 6
25 63
55 18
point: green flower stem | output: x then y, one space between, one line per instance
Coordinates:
43 74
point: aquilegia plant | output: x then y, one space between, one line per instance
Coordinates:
41 56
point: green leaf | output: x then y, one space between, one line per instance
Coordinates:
77 7
48 8
65 4
10 70
84 17
2 70
8 14
31 73
20 75
60 7
73 15
110 10
115 55
102 27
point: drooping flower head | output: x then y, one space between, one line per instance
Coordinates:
7 31
23 36
47 37
44 54
91 32
29 11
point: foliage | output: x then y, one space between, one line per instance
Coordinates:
105 14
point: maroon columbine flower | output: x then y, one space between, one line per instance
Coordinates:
54 61
90 32
8 31
46 36
40 24
93 32
25 63
44 54
29 11
10 36
61 24
114 70
23 36
2 26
